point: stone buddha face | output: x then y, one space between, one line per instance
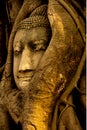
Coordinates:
28 46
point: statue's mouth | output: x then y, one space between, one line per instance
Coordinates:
25 78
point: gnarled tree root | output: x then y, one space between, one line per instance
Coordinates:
65 96
2 68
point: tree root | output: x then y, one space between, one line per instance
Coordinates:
2 68
74 17
64 97
75 79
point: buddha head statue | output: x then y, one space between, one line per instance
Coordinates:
30 42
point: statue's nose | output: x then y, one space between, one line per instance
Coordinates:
26 62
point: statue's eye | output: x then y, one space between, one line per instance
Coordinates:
38 45
17 52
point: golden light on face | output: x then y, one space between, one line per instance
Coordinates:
29 47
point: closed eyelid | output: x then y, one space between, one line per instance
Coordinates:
17 52
38 45
41 41
17 48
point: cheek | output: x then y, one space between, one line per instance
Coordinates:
16 64
37 57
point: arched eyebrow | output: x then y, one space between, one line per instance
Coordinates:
38 42
41 41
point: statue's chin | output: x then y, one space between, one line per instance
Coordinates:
23 84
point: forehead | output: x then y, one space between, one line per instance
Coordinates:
25 35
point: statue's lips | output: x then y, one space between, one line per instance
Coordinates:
25 79
25 74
